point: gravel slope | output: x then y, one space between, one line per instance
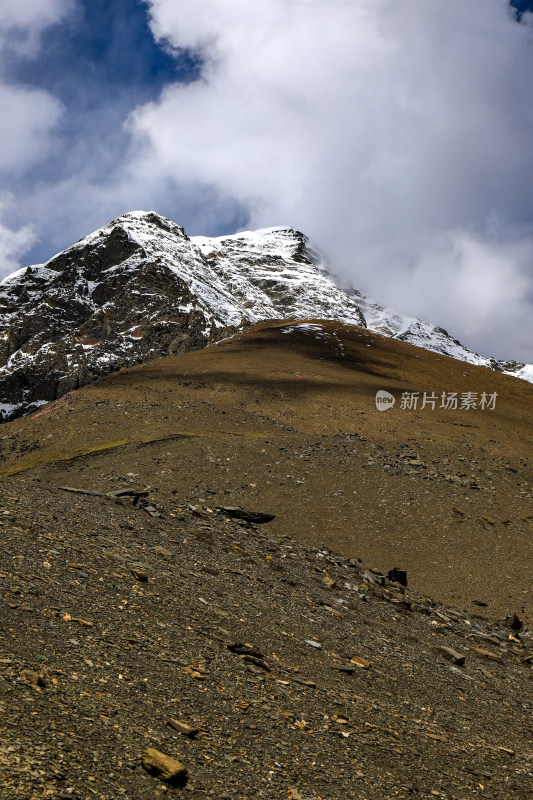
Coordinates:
127 621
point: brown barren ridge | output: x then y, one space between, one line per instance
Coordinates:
141 608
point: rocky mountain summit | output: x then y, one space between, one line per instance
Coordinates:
140 288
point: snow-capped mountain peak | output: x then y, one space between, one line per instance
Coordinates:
139 288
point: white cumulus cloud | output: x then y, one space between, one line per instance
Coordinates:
29 116
395 133
13 243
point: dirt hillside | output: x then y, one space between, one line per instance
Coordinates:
195 598
284 417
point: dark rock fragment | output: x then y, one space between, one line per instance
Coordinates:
452 655
349 670
183 728
258 662
257 517
514 622
245 649
398 575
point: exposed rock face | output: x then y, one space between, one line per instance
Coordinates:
140 288
107 302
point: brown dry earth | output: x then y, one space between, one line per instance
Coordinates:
117 617
288 422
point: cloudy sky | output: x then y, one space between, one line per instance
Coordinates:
397 134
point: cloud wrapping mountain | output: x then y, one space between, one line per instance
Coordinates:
140 288
396 133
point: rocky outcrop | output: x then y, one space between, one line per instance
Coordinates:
106 303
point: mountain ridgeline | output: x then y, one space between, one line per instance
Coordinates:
139 288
